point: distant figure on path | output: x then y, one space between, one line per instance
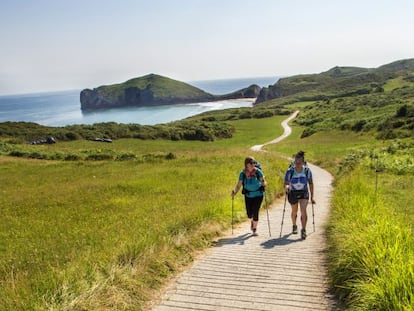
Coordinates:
297 179
252 180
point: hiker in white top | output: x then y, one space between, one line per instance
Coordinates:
297 179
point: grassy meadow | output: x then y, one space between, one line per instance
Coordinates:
96 234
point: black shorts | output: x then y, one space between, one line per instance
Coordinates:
253 206
295 195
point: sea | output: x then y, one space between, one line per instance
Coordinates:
63 107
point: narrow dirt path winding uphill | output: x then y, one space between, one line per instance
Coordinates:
277 272
286 133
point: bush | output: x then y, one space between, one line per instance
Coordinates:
209 119
262 114
402 111
245 115
36 155
170 156
99 157
72 157
358 125
126 157
19 154
308 132
72 136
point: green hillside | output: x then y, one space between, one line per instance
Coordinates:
337 82
378 102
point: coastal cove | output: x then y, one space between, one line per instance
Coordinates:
63 108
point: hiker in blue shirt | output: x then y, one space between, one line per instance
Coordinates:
253 182
297 179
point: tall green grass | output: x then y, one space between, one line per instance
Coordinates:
371 247
105 235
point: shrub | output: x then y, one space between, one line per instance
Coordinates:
170 156
245 115
36 155
72 136
126 157
72 157
358 125
56 156
402 111
17 153
308 132
99 157
209 119
262 114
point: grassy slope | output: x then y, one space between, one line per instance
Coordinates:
103 235
337 82
375 114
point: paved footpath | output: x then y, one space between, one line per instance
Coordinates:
245 272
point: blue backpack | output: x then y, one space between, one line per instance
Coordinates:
291 170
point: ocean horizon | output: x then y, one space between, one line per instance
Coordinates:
61 108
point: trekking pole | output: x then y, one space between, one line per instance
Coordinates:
232 212
313 217
283 216
267 212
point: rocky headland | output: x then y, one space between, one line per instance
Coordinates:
153 90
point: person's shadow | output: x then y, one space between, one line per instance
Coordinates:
284 240
236 240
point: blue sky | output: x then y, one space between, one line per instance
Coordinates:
49 45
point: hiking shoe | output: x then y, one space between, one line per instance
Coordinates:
254 233
295 229
303 234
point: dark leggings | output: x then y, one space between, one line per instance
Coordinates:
253 206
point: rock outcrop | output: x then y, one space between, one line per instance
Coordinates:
152 90
249 92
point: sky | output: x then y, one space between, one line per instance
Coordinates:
52 45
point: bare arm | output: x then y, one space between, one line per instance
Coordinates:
237 188
311 192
